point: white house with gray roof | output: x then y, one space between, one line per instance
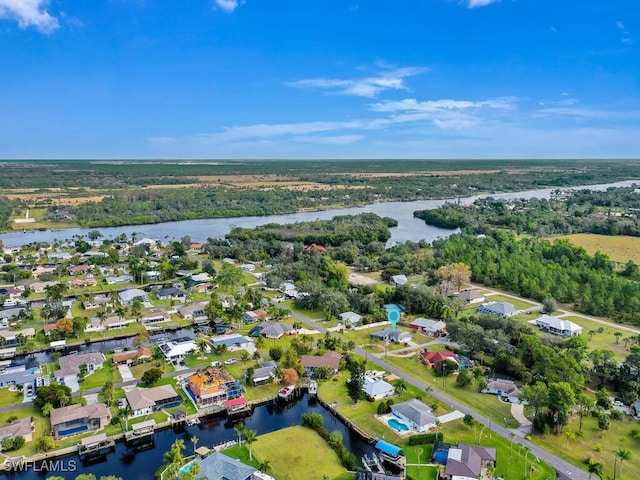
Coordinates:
128 296
558 326
503 309
416 414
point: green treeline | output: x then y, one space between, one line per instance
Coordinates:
610 212
6 207
538 269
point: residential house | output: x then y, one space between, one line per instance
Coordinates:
83 282
12 337
433 359
171 293
469 462
255 316
195 311
120 279
213 386
218 466
9 314
205 288
377 389
314 247
398 280
127 297
247 267
503 309
635 409
22 427
133 356
350 319
178 348
201 278
71 366
391 335
19 375
40 270
265 373
469 296
157 315
289 290
80 270
196 247
557 326
431 328
97 302
148 400
503 388
271 330
76 418
41 287
416 414
233 341
329 359
108 323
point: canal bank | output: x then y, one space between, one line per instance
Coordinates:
141 460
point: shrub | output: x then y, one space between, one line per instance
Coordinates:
426 438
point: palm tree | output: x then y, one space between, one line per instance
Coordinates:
194 440
250 436
239 430
594 467
265 466
623 454
400 386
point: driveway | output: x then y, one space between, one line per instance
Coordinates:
125 371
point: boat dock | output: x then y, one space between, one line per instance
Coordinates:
95 445
140 431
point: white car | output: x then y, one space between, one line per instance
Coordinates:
618 403
230 361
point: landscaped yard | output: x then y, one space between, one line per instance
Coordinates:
311 314
139 369
363 337
9 398
41 425
98 378
309 460
605 340
577 449
519 304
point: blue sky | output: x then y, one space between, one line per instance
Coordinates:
319 79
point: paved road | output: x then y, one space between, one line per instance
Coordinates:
563 468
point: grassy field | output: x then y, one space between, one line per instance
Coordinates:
590 445
489 405
100 377
309 460
363 337
9 398
311 314
138 370
618 248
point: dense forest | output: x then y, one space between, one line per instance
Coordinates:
536 268
610 212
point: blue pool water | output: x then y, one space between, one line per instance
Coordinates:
396 425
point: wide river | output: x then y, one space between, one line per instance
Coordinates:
409 228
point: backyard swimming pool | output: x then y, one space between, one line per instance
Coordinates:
396 425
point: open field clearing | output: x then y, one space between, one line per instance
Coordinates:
619 248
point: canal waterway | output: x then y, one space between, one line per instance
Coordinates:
140 464
409 228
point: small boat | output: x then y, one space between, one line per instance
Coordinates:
193 421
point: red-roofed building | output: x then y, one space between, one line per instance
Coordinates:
433 359
143 353
313 246
196 247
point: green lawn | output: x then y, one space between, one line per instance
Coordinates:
590 445
138 370
363 337
489 405
10 398
312 314
41 423
605 340
98 378
310 458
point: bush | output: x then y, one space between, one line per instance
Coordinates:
426 438
616 414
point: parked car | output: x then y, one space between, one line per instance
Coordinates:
230 361
618 403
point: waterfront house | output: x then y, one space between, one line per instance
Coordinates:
72 366
466 462
11 337
133 356
265 373
433 359
195 311
233 341
171 293
502 309
157 315
391 335
416 414
557 326
83 282
22 427
431 328
329 359
76 418
128 296
376 388
350 319
213 386
120 279
178 348
108 323
218 466
97 302
148 400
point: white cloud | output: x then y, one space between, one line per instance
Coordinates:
480 3
228 5
620 25
391 79
29 13
329 140
412 105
